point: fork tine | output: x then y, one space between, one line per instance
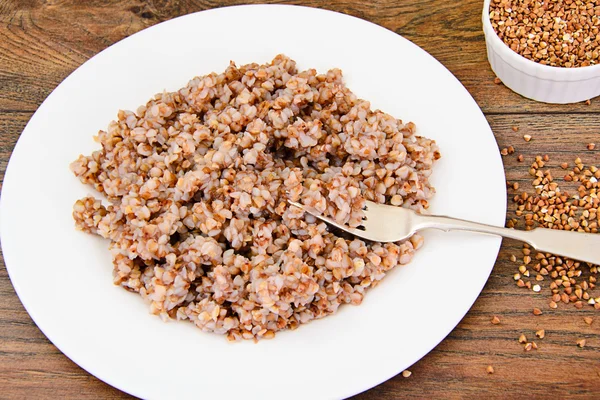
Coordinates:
314 212
372 205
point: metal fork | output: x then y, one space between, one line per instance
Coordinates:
384 223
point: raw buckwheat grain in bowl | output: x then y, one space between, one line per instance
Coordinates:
559 33
197 183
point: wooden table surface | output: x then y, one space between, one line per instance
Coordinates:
41 42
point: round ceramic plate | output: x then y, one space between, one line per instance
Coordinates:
64 277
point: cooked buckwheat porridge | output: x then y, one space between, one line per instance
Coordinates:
197 182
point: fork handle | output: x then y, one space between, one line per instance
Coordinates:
577 245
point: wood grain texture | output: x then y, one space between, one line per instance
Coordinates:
41 42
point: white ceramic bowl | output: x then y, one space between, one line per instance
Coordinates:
536 81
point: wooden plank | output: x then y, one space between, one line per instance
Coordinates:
563 137
12 124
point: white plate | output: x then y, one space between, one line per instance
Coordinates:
63 277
